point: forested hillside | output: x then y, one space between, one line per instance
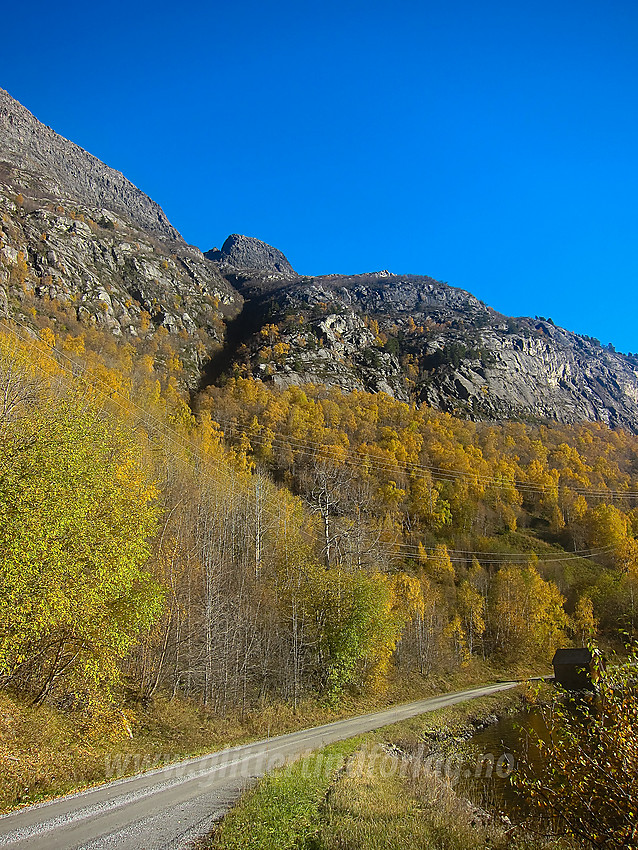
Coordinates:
226 483
274 544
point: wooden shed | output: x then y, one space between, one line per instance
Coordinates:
576 669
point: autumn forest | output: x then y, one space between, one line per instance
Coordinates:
245 544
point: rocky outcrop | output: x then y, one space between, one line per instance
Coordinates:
73 263
246 252
336 350
550 374
81 244
36 160
417 338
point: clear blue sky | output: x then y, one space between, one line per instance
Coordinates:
493 145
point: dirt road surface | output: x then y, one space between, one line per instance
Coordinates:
167 808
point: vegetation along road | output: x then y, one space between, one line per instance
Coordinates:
169 807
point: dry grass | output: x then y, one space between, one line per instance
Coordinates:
45 752
424 809
368 807
374 812
377 812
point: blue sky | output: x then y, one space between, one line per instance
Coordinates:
488 144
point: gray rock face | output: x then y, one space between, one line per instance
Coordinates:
563 377
245 252
417 338
337 350
80 243
35 159
97 269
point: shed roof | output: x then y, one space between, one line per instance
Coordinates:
577 655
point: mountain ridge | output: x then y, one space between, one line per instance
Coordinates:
28 145
423 340
81 246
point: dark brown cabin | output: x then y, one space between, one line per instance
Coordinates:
576 669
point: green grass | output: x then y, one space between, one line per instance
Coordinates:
283 811
374 809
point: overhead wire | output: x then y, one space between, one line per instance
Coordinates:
436 473
126 404
485 557
495 558
450 474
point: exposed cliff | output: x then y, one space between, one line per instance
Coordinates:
417 338
83 247
81 244
38 161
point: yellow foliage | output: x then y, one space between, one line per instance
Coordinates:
438 565
48 337
74 344
270 332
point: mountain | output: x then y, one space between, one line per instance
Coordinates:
84 247
420 339
81 247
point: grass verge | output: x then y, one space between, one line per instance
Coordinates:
364 803
46 752
284 810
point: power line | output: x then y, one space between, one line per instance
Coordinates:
437 473
487 557
411 550
442 473
305 448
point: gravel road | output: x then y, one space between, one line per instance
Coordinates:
167 808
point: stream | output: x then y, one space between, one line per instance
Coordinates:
502 745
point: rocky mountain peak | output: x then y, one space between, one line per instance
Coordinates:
82 248
35 160
246 252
